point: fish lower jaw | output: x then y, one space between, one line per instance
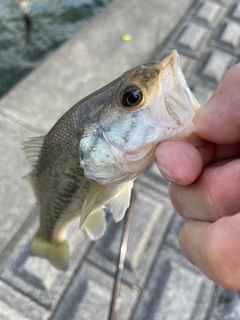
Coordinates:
178 133
138 163
137 155
128 169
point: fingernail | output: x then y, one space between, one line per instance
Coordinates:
165 173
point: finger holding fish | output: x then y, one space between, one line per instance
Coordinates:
210 201
207 197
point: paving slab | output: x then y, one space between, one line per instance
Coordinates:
89 296
35 277
14 305
16 197
174 291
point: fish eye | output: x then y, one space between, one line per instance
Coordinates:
131 96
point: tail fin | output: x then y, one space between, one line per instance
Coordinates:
56 253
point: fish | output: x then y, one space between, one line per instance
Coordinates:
93 154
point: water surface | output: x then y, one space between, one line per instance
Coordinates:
53 22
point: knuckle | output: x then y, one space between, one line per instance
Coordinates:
212 199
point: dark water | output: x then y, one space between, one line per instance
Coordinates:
53 22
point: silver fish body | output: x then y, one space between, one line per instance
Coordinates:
97 149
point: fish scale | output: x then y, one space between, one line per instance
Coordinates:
63 188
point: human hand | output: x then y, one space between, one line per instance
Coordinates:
205 186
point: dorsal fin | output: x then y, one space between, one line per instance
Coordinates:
32 149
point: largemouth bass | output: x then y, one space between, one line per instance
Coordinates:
93 154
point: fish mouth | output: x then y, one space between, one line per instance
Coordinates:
170 64
175 104
171 72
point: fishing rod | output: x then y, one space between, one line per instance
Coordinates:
121 260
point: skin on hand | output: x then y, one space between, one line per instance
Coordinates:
205 186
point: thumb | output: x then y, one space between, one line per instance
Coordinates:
218 120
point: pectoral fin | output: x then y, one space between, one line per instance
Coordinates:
95 224
92 201
120 203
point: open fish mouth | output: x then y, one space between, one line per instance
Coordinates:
171 68
175 104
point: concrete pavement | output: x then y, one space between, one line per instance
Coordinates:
158 282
